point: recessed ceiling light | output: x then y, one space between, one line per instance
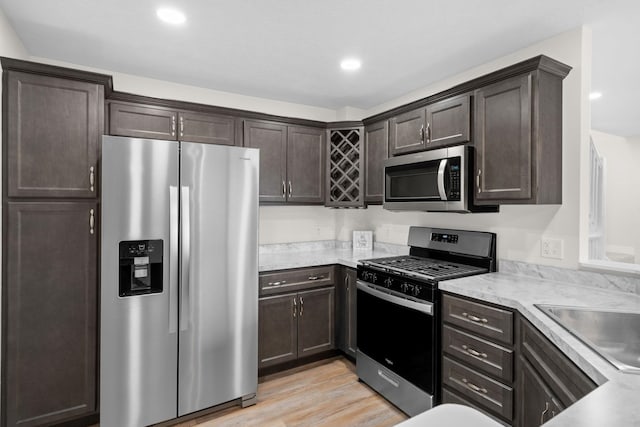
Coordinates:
595 95
350 64
171 16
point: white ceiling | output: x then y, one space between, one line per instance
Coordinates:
290 49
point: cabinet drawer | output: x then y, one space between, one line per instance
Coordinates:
477 352
478 388
564 378
485 320
449 396
297 279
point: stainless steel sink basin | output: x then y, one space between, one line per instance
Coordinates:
613 334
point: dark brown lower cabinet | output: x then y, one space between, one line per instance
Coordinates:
277 329
295 325
548 381
50 312
537 403
346 311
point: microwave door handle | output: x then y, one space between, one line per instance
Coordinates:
441 169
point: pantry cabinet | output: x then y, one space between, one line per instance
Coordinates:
53 133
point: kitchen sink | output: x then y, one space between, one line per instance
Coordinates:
613 334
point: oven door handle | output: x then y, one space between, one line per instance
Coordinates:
424 307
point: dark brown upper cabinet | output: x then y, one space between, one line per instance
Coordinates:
53 129
305 164
376 151
291 161
145 121
345 168
50 313
442 123
518 140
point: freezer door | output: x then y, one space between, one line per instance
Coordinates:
218 356
139 338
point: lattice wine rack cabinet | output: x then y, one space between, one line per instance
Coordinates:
345 168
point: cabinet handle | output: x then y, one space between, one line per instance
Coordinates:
284 190
290 189
181 126
474 318
315 277
421 134
546 409
278 283
428 133
346 282
91 221
474 387
295 306
474 352
92 177
478 179
301 306
173 125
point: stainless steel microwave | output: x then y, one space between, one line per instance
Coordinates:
436 180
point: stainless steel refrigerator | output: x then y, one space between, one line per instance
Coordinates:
179 288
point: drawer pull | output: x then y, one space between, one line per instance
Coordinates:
473 352
474 387
301 306
387 379
315 277
474 318
278 283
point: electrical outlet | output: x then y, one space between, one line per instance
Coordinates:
552 248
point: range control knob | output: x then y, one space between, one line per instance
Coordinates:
405 287
388 282
366 275
374 278
415 291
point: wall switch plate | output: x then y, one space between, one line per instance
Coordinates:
552 248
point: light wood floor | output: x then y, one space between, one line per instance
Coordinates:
325 394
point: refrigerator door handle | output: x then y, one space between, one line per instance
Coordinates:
185 258
173 259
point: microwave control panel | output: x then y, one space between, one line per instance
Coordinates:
453 190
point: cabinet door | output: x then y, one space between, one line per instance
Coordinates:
50 340
207 128
277 329
53 128
448 122
271 139
406 132
142 121
315 321
351 312
305 165
503 141
376 146
536 404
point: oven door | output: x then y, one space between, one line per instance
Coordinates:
398 333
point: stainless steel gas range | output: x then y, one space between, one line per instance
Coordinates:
398 318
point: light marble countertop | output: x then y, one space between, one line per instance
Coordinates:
615 402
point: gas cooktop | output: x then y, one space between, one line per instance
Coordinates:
423 268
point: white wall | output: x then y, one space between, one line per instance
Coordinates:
519 228
281 224
169 90
622 204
